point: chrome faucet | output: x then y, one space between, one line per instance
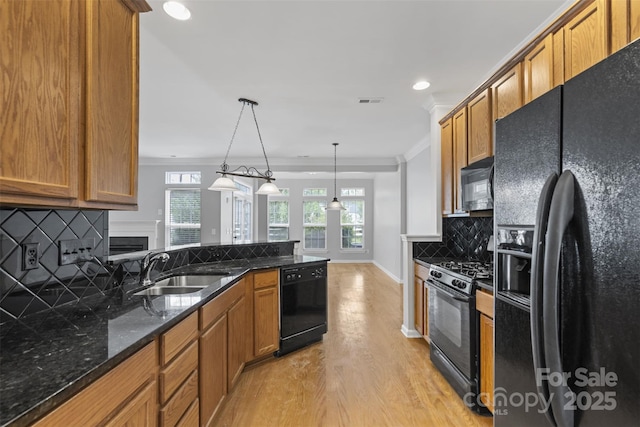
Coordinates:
148 262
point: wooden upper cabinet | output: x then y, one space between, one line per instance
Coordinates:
585 39
507 93
446 155
480 130
39 101
459 154
112 102
69 102
538 70
625 23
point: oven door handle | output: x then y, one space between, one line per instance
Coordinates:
447 293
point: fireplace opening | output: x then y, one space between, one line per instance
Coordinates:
123 245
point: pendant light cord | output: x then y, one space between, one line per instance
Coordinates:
224 169
268 173
335 170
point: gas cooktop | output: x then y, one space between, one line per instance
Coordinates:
470 269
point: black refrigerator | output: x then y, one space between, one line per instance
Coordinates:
567 221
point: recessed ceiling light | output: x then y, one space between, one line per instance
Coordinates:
176 10
421 85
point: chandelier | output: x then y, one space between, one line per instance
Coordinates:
224 183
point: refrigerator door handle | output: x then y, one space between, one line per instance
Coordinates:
537 256
491 175
560 215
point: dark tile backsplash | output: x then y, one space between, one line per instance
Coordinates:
26 292
462 238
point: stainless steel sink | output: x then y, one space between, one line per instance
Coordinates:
185 284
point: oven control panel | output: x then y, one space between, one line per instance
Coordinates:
297 274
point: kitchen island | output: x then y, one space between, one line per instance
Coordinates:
48 357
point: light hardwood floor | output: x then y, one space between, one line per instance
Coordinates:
365 372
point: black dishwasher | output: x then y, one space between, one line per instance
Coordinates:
303 306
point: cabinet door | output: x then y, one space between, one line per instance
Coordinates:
585 39
446 156
480 127
213 369
111 147
425 310
486 361
265 321
459 154
506 93
625 23
418 304
39 102
141 411
237 333
538 70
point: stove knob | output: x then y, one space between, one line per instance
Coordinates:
437 274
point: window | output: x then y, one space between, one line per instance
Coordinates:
314 220
182 178
314 192
242 213
182 216
278 220
352 192
352 224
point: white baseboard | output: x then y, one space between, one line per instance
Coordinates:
410 333
388 273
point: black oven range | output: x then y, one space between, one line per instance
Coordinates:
453 325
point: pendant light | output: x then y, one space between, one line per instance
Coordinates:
224 183
335 205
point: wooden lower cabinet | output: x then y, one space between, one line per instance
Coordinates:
124 396
223 348
484 304
421 299
266 309
178 376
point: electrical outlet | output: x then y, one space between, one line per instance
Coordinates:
75 251
30 256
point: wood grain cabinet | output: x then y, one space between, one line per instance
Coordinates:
480 127
484 304
625 23
223 343
446 171
126 396
69 127
585 39
421 299
178 377
459 154
507 93
538 69
266 308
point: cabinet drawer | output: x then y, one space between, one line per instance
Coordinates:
420 271
173 375
212 310
484 303
263 279
192 416
173 411
177 338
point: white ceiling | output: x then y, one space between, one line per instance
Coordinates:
307 63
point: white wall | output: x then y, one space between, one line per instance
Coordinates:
151 199
387 212
421 194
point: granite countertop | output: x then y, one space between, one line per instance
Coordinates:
49 356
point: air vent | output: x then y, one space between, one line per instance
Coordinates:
370 100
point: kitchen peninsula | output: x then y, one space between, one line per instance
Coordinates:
51 356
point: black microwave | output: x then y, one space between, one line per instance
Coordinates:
477 185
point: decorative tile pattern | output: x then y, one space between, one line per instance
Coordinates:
24 292
49 286
462 238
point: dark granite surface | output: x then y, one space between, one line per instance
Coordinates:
49 356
